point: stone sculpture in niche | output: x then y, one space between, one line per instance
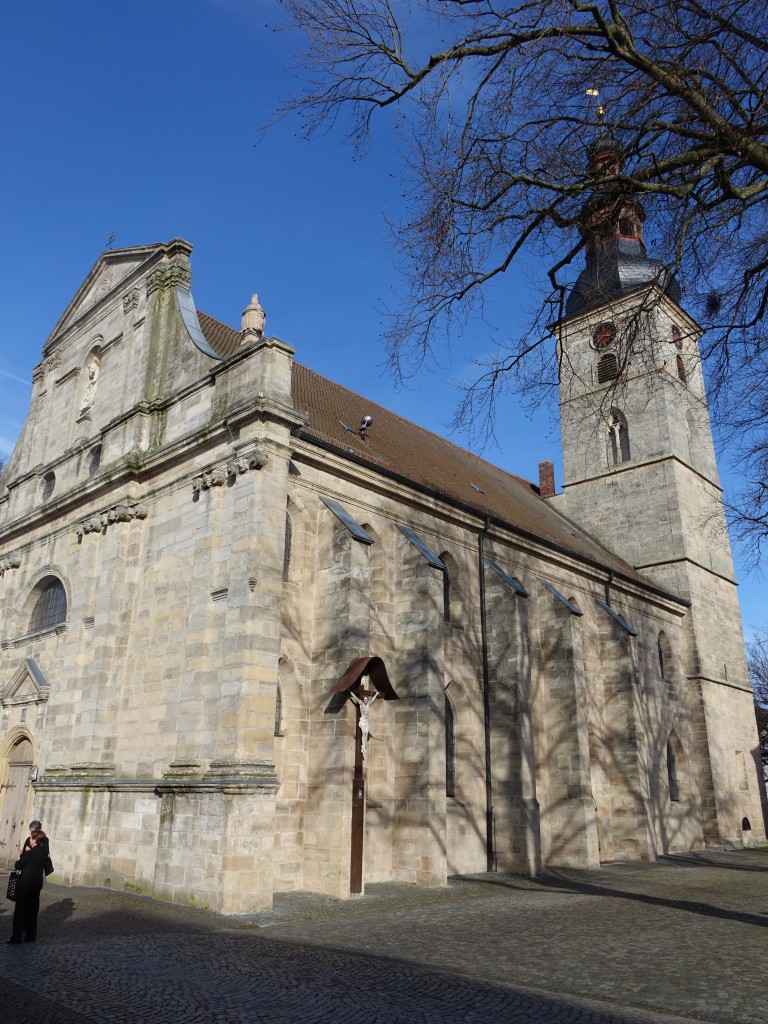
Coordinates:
93 367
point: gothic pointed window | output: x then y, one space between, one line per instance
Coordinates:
665 656
288 544
672 777
618 437
452 593
278 711
446 596
450 749
51 606
681 371
607 368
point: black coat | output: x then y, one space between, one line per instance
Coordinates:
31 864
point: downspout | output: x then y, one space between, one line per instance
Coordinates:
608 583
490 844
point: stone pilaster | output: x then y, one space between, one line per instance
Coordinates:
567 805
420 853
627 760
516 809
341 632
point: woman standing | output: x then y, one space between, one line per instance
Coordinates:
31 864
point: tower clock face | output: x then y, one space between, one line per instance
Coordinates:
604 336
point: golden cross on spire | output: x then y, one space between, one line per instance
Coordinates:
593 90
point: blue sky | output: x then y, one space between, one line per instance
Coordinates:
142 118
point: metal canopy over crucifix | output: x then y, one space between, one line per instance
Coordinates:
372 670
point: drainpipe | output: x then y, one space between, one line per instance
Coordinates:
490 844
608 583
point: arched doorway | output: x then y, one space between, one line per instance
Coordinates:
15 791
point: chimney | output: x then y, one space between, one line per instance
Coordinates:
547 479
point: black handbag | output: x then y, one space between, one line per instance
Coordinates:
12 879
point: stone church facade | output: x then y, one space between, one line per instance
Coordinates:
203 543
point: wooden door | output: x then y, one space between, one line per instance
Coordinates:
12 825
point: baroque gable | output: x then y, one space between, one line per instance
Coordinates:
114 273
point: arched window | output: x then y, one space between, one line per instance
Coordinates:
672 779
278 711
94 460
681 372
450 750
607 367
618 434
51 605
665 655
446 596
287 548
452 608
49 482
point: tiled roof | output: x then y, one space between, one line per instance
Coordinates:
222 339
425 459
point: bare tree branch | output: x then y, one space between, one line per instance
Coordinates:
495 125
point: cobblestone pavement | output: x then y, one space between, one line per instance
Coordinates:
677 941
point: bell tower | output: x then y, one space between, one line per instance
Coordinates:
639 462
640 472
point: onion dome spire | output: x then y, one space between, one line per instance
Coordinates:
612 228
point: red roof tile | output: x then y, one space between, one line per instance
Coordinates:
424 459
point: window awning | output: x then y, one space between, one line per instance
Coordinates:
355 529
424 549
560 597
372 667
618 618
516 585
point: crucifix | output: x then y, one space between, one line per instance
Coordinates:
364 681
363 701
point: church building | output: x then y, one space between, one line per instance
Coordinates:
259 633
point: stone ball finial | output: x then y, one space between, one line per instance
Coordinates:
254 317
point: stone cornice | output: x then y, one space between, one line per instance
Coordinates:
122 513
688 561
720 682
28 638
175 273
226 775
157 787
628 467
236 466
627 304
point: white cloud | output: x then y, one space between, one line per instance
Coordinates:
12 376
